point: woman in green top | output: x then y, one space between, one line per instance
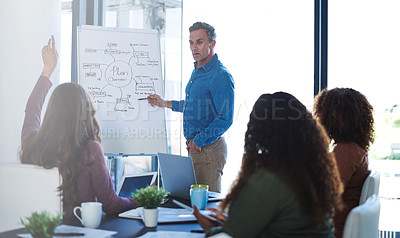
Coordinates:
289 184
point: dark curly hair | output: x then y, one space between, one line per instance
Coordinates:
283 137
346 115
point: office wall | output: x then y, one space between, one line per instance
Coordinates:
25 26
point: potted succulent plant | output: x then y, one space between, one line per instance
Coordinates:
150 199
41 225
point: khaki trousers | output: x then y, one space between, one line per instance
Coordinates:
209 163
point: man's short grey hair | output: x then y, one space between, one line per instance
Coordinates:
202 25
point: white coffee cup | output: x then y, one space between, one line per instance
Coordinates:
91 214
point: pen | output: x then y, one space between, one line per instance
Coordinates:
69 234
142 99
191 209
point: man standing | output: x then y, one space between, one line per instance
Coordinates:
207 108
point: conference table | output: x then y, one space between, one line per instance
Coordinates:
128 227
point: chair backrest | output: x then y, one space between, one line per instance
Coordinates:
371 186
25 189
363 220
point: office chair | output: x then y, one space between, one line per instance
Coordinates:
25 189
363 220
371 186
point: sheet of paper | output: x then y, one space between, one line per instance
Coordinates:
165 214
171 234
134 213
89 232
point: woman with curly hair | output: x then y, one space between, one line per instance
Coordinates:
69 140
347 117
288 185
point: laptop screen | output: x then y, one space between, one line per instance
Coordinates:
177 174
130 183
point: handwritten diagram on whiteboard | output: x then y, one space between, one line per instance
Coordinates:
119 68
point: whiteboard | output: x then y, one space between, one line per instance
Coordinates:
118 67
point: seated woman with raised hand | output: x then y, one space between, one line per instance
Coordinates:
68 139
288 185
348 119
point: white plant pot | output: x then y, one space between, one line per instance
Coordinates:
150 217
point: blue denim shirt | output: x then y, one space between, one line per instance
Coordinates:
208 105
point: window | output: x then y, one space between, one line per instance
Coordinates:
267 46
66 41
363 53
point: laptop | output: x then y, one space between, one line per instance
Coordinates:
177 174
130 183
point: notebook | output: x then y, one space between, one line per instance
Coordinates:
177 174
130 183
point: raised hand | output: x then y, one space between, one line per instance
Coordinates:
50 58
